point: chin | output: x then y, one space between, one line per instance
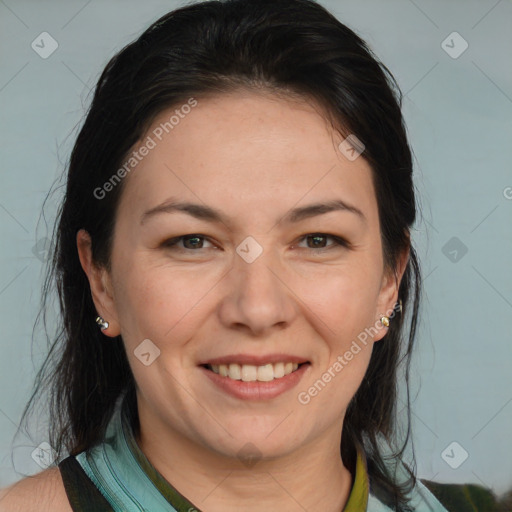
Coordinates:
249 441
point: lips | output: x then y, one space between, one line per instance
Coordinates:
255 360
251 373
256 390
255 377
249 368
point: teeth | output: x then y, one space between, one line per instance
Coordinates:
278 370
265 373
234 372
251 373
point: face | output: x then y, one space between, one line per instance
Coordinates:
253 274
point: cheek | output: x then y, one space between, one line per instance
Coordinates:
343 302
345 306
344 298
160 302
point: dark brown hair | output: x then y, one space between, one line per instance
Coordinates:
284 46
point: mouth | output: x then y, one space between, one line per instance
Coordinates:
252 373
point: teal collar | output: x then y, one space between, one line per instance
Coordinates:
130 483
124 475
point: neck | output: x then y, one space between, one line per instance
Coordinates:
313 477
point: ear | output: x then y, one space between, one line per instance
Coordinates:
388 295
100 283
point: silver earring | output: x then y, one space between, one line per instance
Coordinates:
102 323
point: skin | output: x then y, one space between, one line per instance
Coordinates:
254 156
38 493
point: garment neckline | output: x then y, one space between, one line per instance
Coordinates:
357 500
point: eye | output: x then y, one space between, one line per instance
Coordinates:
318 241
190 242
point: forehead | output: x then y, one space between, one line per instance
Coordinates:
251 151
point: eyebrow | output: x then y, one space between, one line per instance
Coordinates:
209 214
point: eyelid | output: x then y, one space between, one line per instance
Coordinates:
338 242
173 242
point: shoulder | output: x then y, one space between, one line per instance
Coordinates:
43 492
462 496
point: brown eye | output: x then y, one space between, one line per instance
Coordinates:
319 241
193 242
190 242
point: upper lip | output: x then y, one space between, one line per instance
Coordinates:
255 360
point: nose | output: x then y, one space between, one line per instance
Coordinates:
258 298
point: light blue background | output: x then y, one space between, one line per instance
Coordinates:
458 113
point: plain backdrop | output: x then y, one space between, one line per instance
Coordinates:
458 109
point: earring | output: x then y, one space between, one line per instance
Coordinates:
102 323
384 320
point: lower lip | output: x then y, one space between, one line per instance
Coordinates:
256 390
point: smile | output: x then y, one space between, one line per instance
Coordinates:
251 382
252 373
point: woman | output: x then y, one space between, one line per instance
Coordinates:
234 264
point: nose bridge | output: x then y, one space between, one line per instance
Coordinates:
257 296
258 279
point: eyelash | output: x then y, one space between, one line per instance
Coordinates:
339 242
